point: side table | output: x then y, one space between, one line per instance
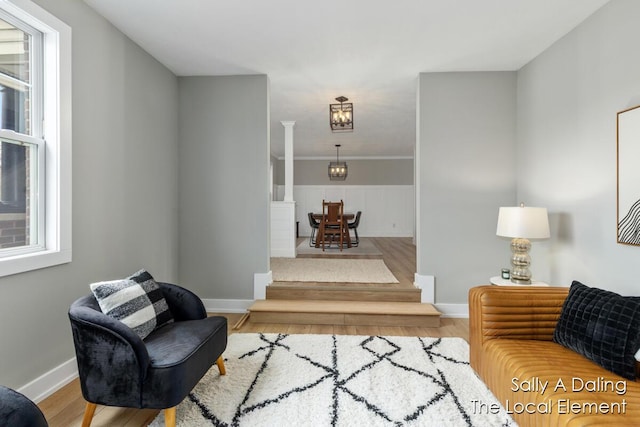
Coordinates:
499 281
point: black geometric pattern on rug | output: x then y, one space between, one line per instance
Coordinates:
341 385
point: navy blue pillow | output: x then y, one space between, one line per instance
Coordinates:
602 326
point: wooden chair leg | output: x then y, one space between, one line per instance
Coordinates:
89 410
221 368
170 417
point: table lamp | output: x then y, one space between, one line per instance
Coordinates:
521 224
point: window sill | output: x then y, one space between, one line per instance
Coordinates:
33 261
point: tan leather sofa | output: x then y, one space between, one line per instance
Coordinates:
510 336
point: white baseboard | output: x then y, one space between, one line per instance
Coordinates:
454 310
50 382
427 284
227 305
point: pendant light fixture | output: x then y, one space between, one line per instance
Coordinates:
341 115
338 170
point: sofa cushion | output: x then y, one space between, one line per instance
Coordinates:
602 326
184 350
548 375
136 301
177 342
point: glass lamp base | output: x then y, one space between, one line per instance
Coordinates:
520 260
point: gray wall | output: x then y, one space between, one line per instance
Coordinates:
361 172
568 98
124 192
224 184
465 158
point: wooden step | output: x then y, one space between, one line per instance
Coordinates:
344 292
320 312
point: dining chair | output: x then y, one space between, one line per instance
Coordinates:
354 226
314 224
332 223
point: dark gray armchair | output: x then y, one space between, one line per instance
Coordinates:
117 368
16 410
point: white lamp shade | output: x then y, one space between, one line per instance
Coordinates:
523 222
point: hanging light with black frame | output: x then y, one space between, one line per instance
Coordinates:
341 115
338 170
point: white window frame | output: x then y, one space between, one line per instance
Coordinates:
37 179
56 83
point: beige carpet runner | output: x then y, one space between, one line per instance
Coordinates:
331 270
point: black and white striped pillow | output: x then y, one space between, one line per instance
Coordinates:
136 301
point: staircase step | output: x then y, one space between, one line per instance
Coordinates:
351 313
342 293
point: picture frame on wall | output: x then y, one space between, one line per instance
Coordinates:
628 176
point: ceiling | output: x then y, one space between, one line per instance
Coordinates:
370 51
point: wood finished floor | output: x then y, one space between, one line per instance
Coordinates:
66 407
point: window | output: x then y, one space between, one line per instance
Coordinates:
35 138
21 174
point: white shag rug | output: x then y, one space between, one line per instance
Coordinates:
331 270
339 380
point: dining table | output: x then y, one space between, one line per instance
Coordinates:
345 227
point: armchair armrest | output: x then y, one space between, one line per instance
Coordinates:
509 312
184 304
107 352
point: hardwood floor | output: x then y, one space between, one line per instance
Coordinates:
66 407
399 254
